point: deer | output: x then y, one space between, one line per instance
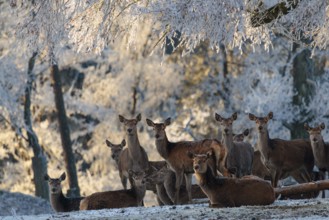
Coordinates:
118 198
240 154
320 149
283 157
134 156
230 192
175 153
59 202
165 180
154 166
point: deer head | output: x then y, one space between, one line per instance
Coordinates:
116 149
55 183
200 161
315 133
159 128
226 123
130 124
261 122
240 137
138 177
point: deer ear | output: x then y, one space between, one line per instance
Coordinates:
150 122
139 117
218 117
63 176
307 128
108 143
190 154
234 116
167 121
322 126
246 132
270 115
209 154
46 177
130 172
252 117
121 118
123 143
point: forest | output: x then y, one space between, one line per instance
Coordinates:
68 69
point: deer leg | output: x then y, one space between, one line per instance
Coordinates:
188 181
123 181
275 178
179 180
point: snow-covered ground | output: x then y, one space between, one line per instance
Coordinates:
18 206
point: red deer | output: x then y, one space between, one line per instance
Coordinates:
258 167
58 201
239 154
230 192
240 137
175 153
283 157
118 198
320 149
133 157
116 150
165 180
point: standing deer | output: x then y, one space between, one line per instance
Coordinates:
230 192
116 150
239 154
283 157
175 153
133 157
320 149
118 198
58 201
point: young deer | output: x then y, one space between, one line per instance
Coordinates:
283 157
175 153
116 150
133 157
239 154
119 198
58 201
230 192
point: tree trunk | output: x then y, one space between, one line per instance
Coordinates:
39 161
302 188
74 190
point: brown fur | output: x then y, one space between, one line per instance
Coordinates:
118 198
284 157
239 154
231 192
258 167
58 201
133 157
176 155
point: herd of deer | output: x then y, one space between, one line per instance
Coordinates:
228 172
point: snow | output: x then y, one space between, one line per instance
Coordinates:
21 205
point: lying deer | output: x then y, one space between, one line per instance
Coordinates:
133 157
175 153
118 198
239 154
58 201
230 192
283 157
165 180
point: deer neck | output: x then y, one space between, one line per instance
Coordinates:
162 146
228 140
263 143
56 200
139 192
320 153
206 180
134 146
